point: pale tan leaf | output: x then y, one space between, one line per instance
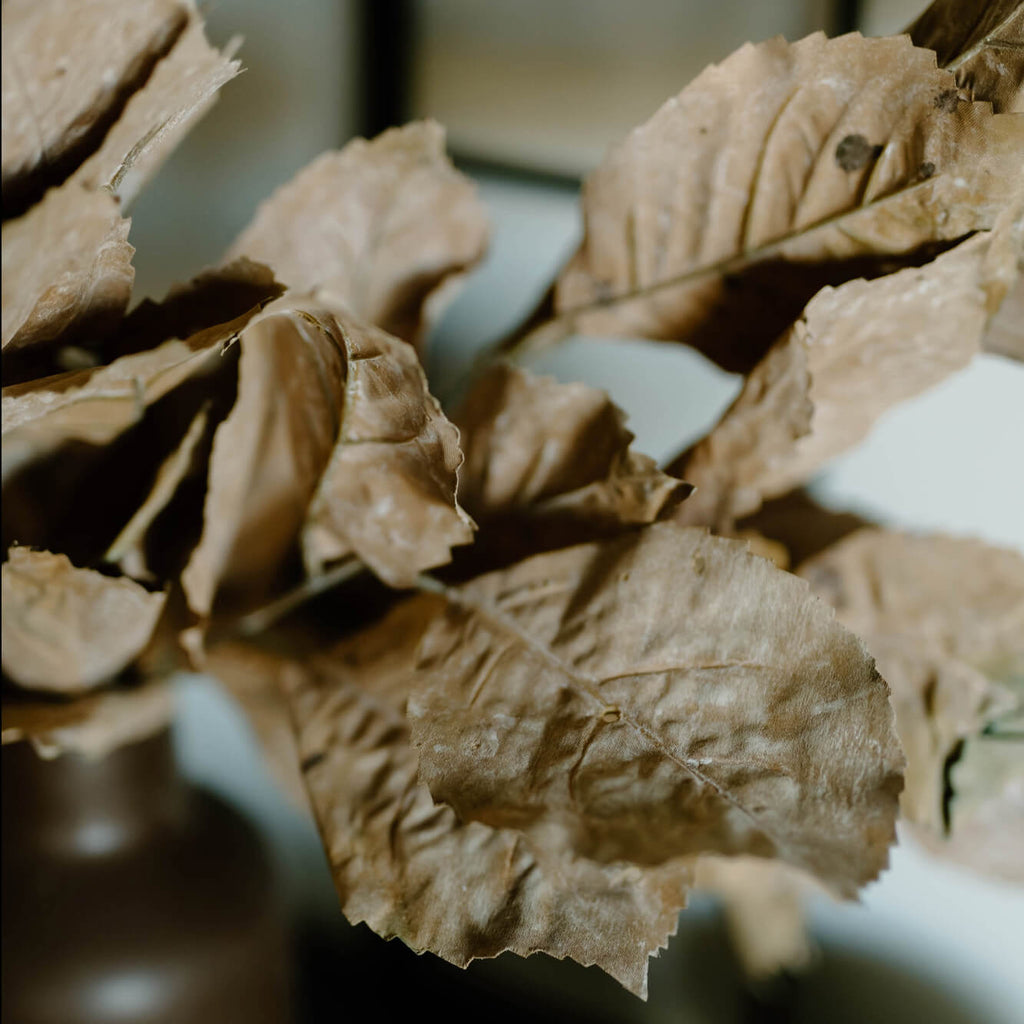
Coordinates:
68 66
411 869
66 269
334 444
380 227
784 168
92 725
660 695
944 617
536 446
857 350
97 405
127 550
181 89
1005 333
982 42
68 630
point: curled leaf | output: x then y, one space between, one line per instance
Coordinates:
380 227
68 630
68 68
661 695
857 350
411 869
67 270
782 169
944 617
982 43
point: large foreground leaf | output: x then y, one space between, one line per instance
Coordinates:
411 869
703 225
660 695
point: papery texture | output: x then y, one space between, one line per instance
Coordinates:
380 227
982 43
92 725
857 350
335 447
533 444
67 67
660 695
180 90
67 270
409 868
782 169
944 617
68 630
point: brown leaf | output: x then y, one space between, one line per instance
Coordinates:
334 442
67 270
944 617
68 630
856 351
780 156
411 869
68 68
381 227
534 444
91 726
182 87
982 42
661 695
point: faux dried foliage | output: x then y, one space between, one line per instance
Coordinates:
531 729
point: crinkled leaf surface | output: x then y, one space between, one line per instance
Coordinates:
334 444
944 617
180 90
68 630
380 227
782 155
857 350
409 868
66 269
982 42
664 694
67 68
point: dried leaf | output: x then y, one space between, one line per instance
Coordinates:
535 445
781 155
1005 334
944 617
90 726
181 89
67 270
334 443
68 630
982 42
99 404
381 227
856 351
68 68
661 695
411 869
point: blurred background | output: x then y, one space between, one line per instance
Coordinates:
532 92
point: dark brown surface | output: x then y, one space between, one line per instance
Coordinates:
129 895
